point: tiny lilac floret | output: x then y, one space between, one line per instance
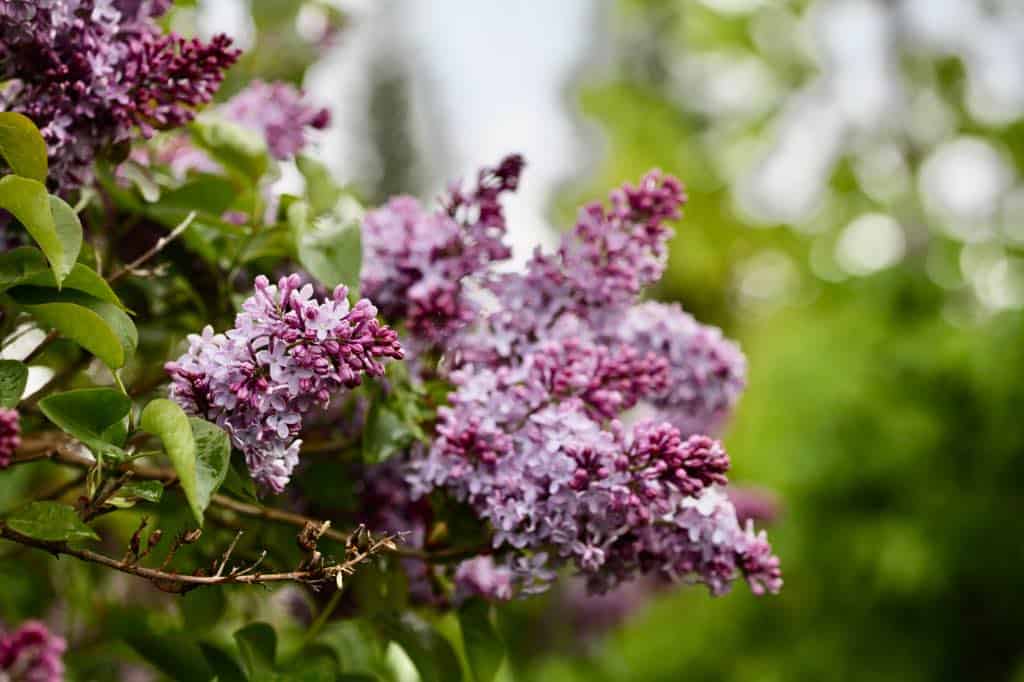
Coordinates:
32 654
10 435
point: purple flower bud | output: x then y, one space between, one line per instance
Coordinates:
10 436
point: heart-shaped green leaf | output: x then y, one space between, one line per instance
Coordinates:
257 644
50 521
88 414
13 376
22 146
484 648
429 651
166 420
213 458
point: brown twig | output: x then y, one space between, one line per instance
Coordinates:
174 582
57 446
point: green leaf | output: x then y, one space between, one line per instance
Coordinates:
322 191
87 414
17 265
315 663
81 278
484 648
169 422
51 222
202 608
223 665
385 434
98 326
136 491
13 376
213 459
257 644
237 148
429 651
238 481
50 521
331 248
22 146
173 653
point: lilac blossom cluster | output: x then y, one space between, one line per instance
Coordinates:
31 654
10 435
287 353
90 72
535 437
416 262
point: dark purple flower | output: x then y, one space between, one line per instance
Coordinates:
89 73
10 436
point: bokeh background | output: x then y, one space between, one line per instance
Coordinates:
856 220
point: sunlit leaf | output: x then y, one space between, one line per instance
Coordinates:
50 521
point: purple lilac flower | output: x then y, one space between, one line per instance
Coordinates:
278 111
10 436
90 72
287 353
482 577
707 373
32 654
533 439
754 504
415 261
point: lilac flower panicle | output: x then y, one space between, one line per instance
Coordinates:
90 72
32 654
10 436
481 577
280 112
534 437
415 262
287 353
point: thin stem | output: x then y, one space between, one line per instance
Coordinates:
155 249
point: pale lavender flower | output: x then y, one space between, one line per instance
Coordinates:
279 112
91 72
10 435
32 654
481 577
707 372
286 354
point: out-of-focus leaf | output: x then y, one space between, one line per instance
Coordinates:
50 221
239 149
429 651
173 653
98 326
13 376
224 668
50 521
202 608
330 248
484 648
257 644
322 192
316 663
22 146
169 422
385 434
87 414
